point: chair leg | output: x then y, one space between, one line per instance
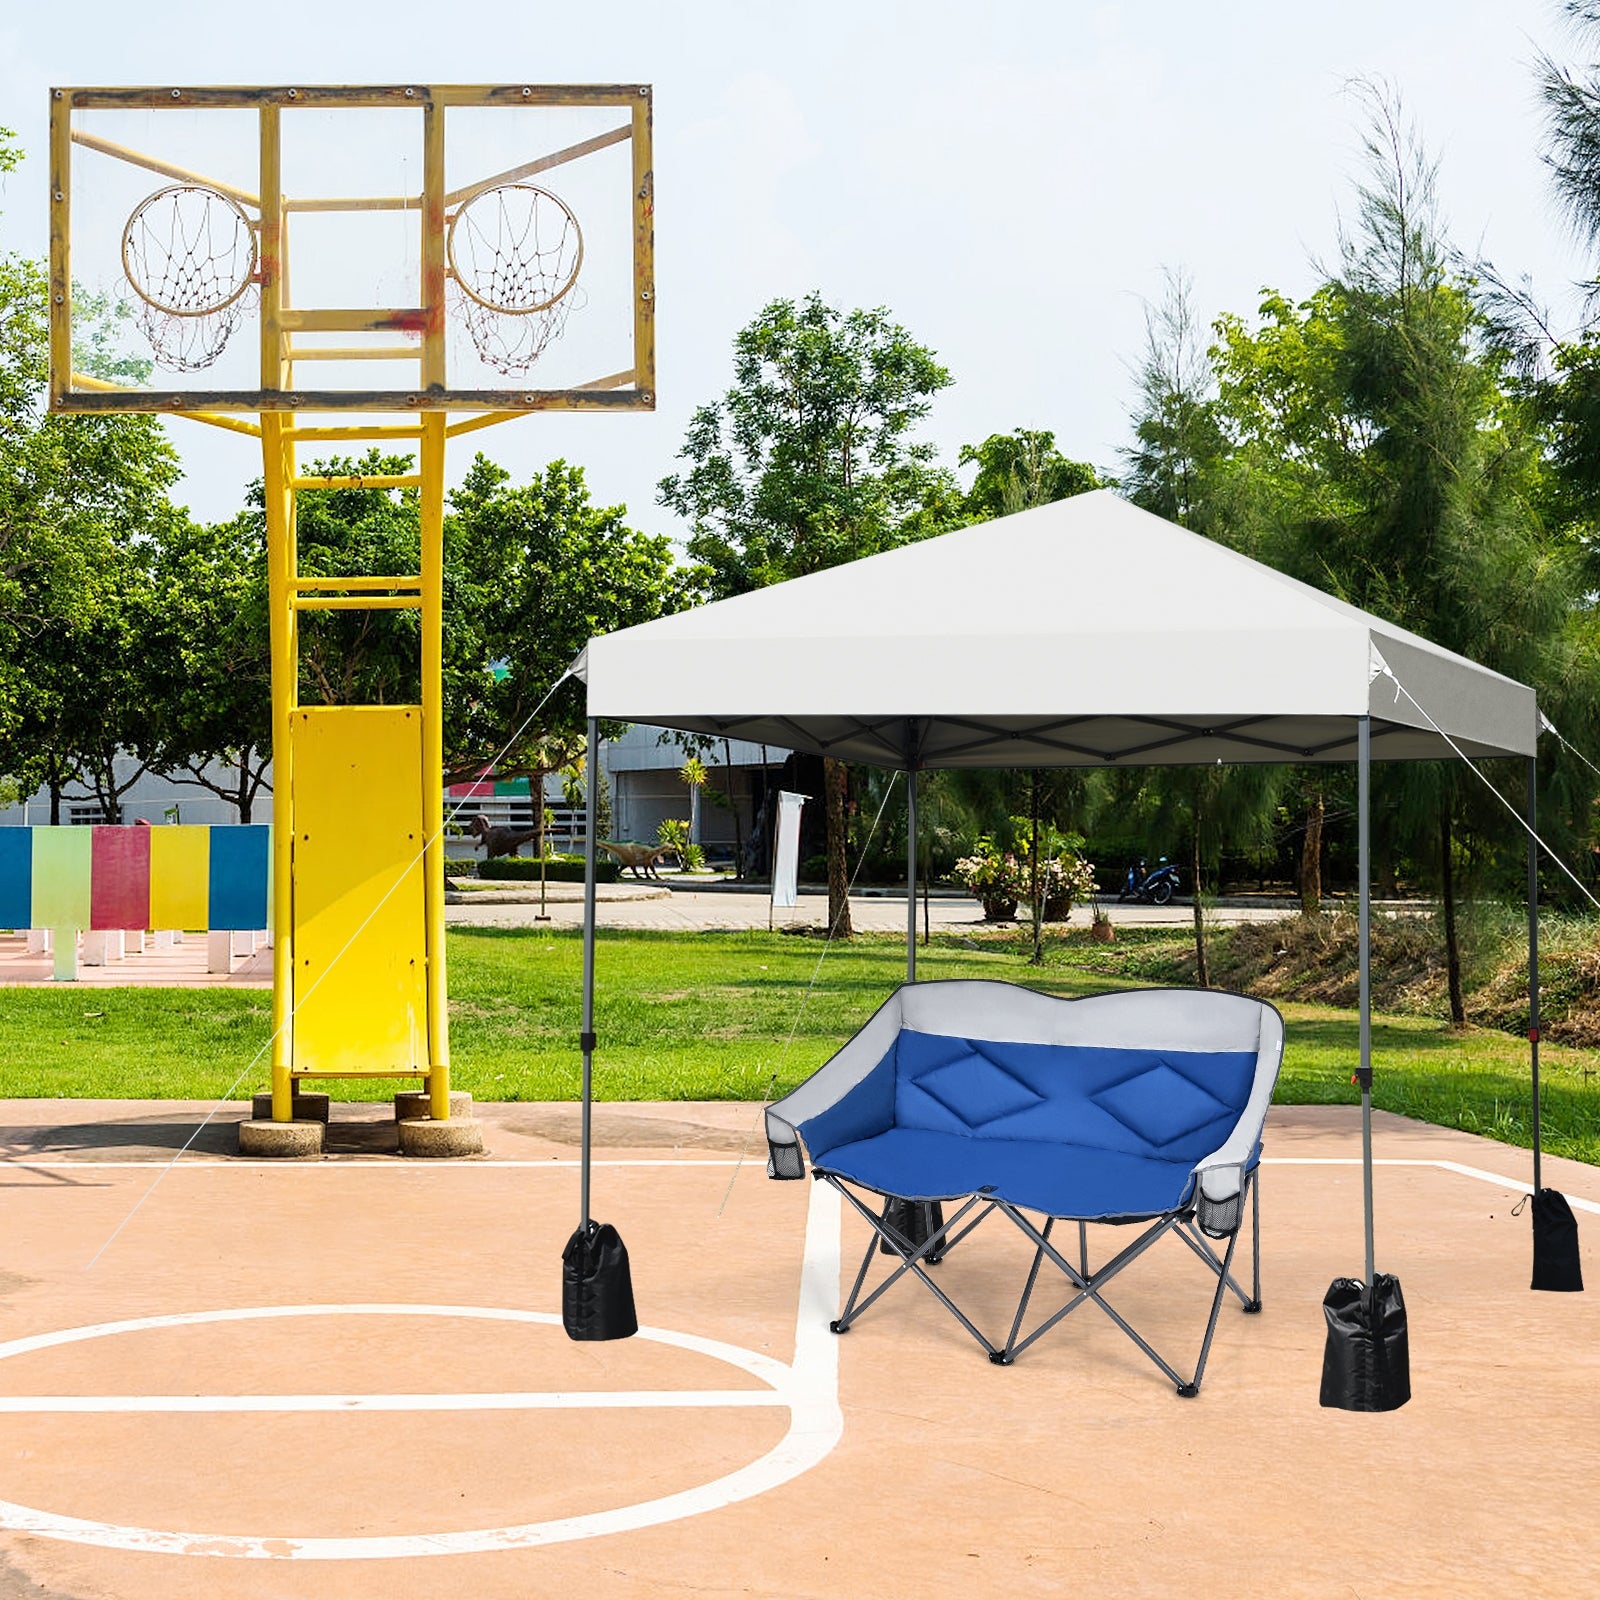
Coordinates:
1254 1181
1005 1357
912 1259
1090 1287
1189 1390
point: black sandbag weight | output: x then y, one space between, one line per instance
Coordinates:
1366 1363
916 1221
597 1285
1556 1263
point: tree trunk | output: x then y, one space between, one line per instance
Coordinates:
1202 974
243 802
836 787
55 802
1311 857
536 794
1447 886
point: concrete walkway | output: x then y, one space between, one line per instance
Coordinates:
694 909
643 906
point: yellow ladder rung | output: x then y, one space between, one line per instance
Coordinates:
354 480
355 432
360 581
356 602
372 352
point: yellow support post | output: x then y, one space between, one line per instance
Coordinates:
277 469
432 520
60 246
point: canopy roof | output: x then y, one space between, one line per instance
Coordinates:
1082 633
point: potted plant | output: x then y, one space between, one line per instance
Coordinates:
1100 928
994 878
1065 880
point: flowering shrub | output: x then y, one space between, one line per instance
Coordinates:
1065 880
995 877
1001 879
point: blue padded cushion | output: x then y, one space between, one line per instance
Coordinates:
1071 1130
1058 1180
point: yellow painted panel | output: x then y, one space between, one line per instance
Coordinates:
360 980
180 877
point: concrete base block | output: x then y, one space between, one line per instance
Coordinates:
458 1137
412 1103
39 942
219 951
307 1107
280 1138
102 946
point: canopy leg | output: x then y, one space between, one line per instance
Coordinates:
911 874
1556 1261
596 1283
1366 1363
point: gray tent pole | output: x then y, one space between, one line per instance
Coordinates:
911 874
1364 1067
591 815
1533 957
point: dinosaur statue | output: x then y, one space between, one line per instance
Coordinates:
500 841
642 858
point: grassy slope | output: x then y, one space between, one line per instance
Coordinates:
728 1015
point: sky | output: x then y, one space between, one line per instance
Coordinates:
1011 182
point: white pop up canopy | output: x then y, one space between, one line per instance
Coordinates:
1082 633
1079 634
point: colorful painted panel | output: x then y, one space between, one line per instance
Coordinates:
16 877
240 873
180 871
62 860
119 886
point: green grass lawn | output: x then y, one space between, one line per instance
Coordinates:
718 1016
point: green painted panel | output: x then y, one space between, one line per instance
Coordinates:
61 867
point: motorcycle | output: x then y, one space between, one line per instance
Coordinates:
1154 888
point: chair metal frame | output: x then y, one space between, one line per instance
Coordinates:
1088 1283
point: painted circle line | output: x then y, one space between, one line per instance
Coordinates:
808 1390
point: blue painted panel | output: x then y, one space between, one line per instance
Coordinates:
16 878
240 874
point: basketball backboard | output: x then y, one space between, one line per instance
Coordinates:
396 248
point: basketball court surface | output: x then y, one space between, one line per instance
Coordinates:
349 1376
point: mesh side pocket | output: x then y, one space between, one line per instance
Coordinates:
1219 1218
784 1161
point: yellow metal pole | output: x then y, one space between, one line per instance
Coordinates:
277 468
432 521
60 245
644 250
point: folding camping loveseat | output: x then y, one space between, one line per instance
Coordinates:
1143 1107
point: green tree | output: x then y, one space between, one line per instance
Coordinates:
810 459
1018 470
1374 444
532 573
216 718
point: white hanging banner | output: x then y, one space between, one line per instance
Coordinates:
786 854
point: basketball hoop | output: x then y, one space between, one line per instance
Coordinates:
515 251
190 255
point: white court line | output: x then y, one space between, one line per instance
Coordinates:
552 1400
809 1387
1499 1179
387 1163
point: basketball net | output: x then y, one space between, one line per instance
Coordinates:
515 251
190 255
